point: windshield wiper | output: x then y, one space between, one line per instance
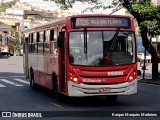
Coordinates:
85 42
114 39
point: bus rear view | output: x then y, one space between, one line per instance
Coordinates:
100 56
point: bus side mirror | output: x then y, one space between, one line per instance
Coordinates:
60 40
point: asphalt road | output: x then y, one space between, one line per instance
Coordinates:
17 96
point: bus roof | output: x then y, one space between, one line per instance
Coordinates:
85 15
49 24
62 21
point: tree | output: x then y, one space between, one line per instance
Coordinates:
16 44
148 17
6 5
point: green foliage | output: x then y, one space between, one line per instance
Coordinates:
17 46
6 5
146 13
147 9
16 43
12 32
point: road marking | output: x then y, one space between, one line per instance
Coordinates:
17 76
13 77
10 82
56 104
20 80
2 85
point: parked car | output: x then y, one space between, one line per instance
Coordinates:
140 56
141 51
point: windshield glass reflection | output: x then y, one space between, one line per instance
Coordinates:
103 48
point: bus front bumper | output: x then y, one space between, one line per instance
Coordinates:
79 90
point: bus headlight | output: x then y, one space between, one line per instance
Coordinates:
73 78
130 78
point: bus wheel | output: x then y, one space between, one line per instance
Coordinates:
111 98
31 79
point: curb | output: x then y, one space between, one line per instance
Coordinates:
149 81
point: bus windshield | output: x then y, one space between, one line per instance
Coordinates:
103 48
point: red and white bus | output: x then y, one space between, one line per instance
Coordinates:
6 44
83 55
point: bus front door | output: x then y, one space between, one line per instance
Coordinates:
61 45
25 60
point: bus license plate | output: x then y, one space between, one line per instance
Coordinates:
106 89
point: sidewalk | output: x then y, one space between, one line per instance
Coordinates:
148 75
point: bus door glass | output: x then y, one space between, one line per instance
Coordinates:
26 45
61 45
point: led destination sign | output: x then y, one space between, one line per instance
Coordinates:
83 22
